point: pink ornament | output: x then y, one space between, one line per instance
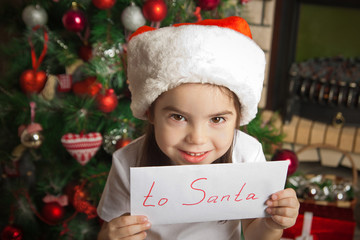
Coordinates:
208 4
288 155
82 146
74 20
154 10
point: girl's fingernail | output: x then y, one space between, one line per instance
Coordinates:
269 203
268 210
148 224
274 197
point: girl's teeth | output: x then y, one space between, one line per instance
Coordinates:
195 154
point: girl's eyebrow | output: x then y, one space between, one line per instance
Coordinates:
174 109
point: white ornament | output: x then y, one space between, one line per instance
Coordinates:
34 15
132 17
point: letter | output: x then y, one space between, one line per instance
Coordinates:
147 196
163 199
238 195
190 204
212 199
251 196
225 196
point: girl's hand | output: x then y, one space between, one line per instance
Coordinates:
125 227
283 208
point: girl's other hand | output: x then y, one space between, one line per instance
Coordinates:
125 227
283 208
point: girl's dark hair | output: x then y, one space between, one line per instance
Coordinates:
151 154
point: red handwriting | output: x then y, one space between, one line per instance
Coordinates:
211 199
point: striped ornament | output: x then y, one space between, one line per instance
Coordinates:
82 146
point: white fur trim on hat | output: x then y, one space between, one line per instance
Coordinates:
162 59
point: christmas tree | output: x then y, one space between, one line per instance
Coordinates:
64 105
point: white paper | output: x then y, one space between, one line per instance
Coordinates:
197 193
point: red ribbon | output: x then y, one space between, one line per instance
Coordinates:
36 62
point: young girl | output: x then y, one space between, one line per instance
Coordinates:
195 84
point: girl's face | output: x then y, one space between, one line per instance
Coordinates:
194 123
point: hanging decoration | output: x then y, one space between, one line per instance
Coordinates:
118 137
104 4
82 146
154 10
30 135
90 86
32 80
74 19
34 15
53 212
85 52
288 155
208 4
81 204
132 17
107 102
11 232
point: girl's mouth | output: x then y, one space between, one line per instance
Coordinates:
194 157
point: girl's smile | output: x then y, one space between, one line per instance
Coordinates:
194 123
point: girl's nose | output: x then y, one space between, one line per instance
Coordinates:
196 135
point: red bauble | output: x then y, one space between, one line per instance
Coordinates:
88 86
74 20
107 102
154 10
208 4
53 212
11 233
122 142
85 52
104 4
288 155
32 81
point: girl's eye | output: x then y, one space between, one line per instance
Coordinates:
217 120
177 117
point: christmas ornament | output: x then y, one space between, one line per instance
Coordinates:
48 91
244 1
11 233
154 10
33 81
85 52
284 154
104 4
107 102
62 200
81 204
117 137
74 19
53 212
82 146
34 15
30 135
132 17
208 4
89 86
64 82
123 142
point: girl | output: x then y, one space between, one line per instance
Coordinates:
195 84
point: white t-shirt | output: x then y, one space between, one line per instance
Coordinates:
115 200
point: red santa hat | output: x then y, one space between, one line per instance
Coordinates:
219 52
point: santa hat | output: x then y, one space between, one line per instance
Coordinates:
219 52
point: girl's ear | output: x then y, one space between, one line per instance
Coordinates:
149 116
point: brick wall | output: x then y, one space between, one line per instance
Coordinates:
260 16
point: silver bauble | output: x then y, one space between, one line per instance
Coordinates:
132 17
34 15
